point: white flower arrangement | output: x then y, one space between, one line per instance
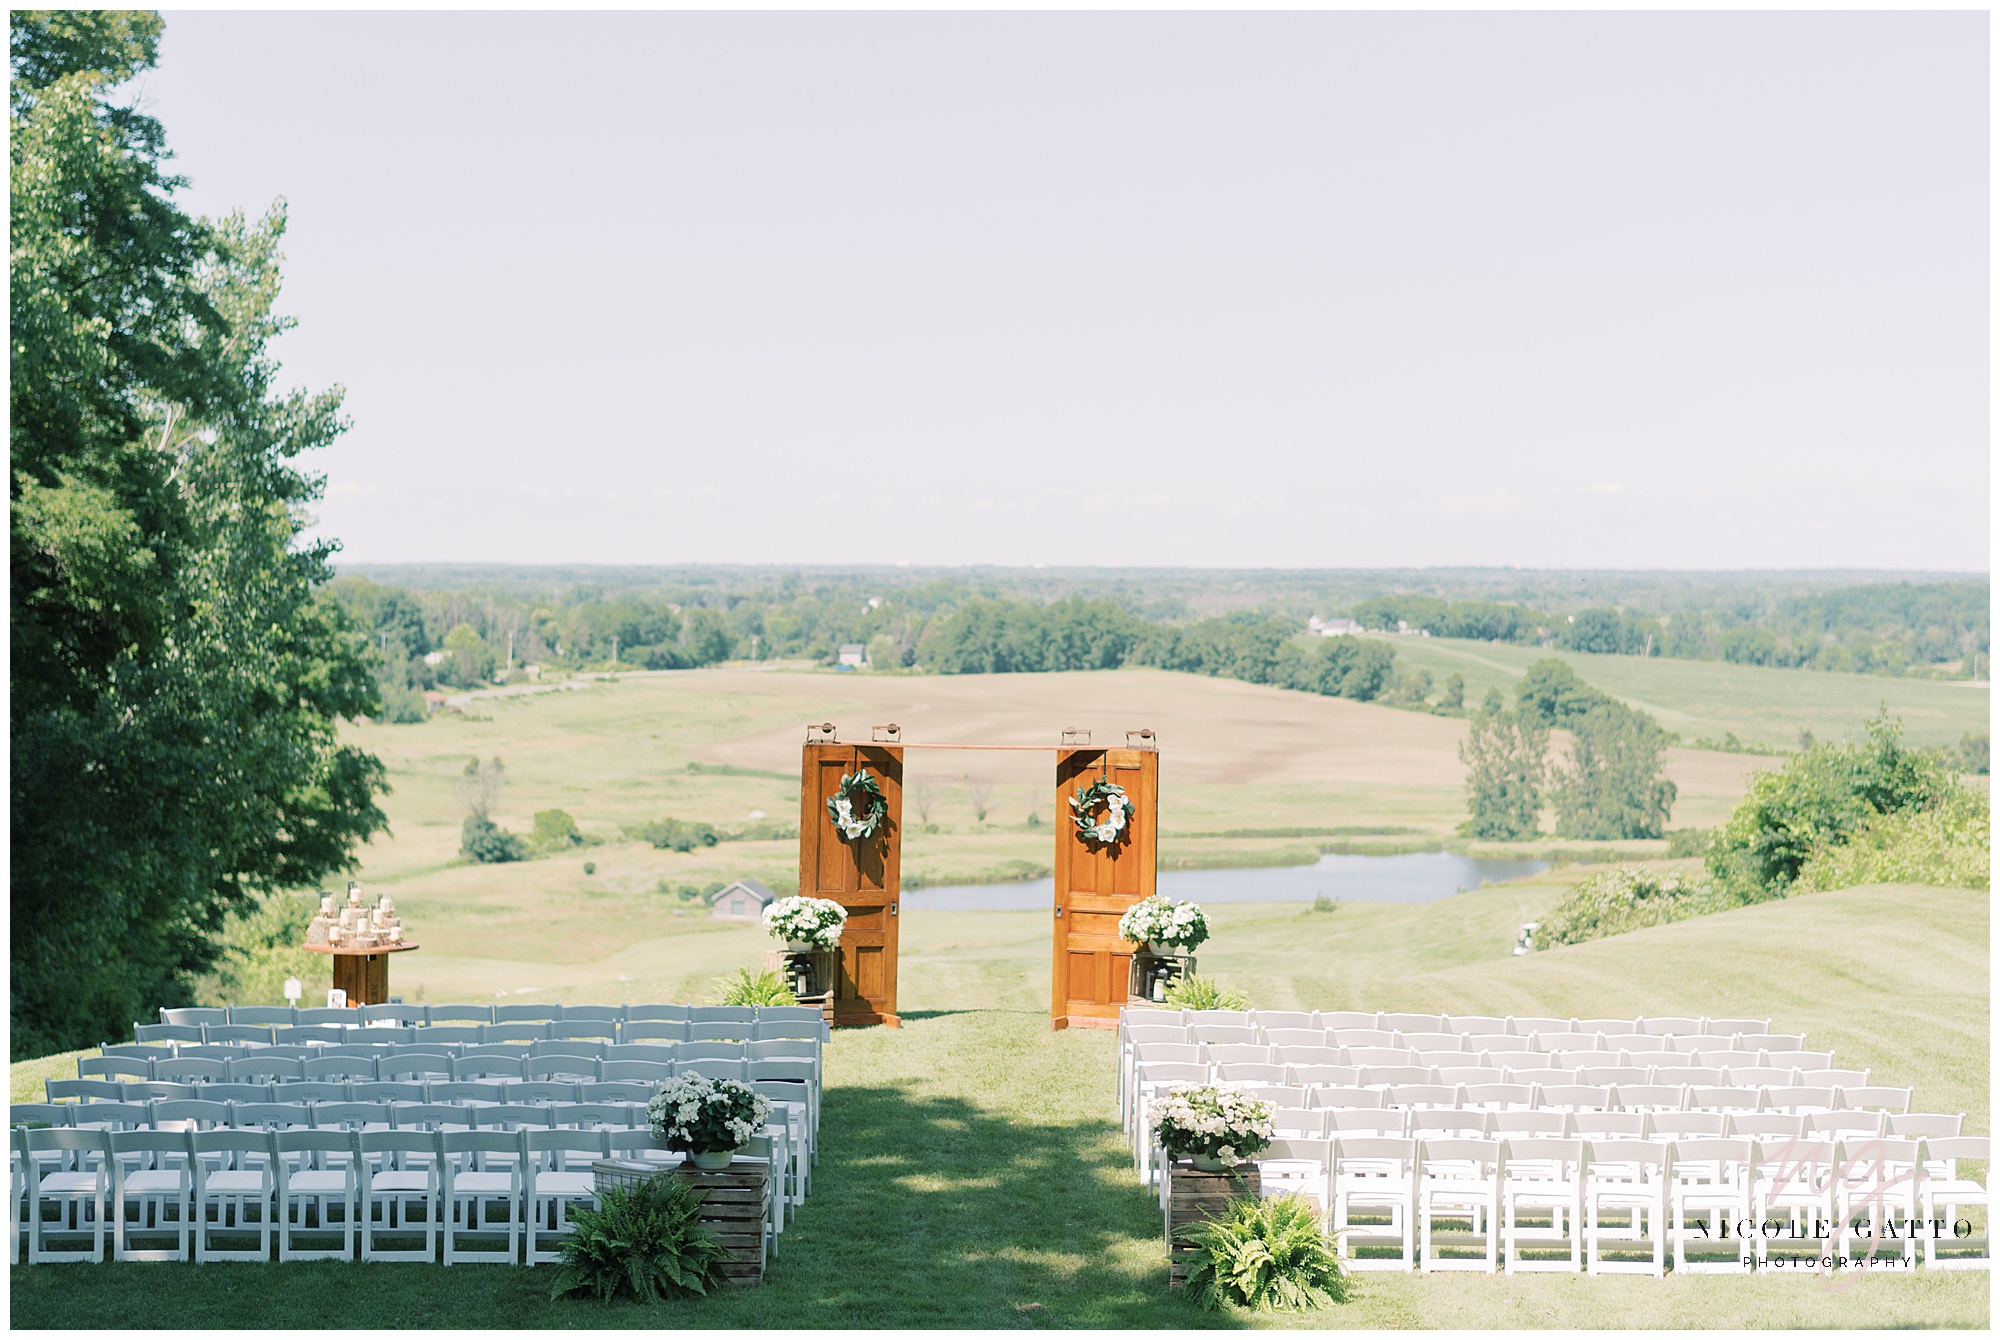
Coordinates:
1222 1124
707 1116
813 921
1163 921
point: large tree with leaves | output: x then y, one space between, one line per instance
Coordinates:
178 673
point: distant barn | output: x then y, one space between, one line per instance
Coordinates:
853 655
745 900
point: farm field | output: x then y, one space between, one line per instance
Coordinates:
1707 699
973 1172
1250 776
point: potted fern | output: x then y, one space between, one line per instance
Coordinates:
646 1241
1264 1255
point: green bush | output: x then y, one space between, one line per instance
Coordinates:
1204 993
1819 799
1948 846
1628 898
646 1242
756 988
676 834
1266 1255
484 842
554 830
403 705
1689 842
262 945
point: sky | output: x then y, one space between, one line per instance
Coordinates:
1291 290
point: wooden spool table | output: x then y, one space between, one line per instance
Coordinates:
732 1207
362 972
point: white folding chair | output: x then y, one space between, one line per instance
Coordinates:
305 1184
1950 1191
1795 1178
549 1185
1629 1178
75 1179
1544 1176
232 1173
1376 1175
397 1172
1297 1165
1710 1198
160 1181
1876 1179
1459 1179
469 1193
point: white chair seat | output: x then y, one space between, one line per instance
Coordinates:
316 1183
563 1184
415 1182
69 1183
235 1183
484 1183
151 1182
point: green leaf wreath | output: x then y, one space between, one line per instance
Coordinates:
857 808
1118 811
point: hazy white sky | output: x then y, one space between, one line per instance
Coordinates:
1627 290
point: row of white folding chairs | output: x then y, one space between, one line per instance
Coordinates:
1596 1204
790 1103
421 1014
1622 1123
390 1171
1437 1023
268 1035
1461 1042
481 1063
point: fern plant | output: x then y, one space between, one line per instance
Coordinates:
1205 993
756 988
1266 1255
645 1241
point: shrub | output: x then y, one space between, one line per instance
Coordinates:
590 867
1975 753
1948 846
676 834
1204 993
263 944
763 987
554 830
1819 799
484 842
647 1242
1628 898
403 705
1683 842
1266 1255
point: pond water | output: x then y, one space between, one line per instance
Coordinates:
1414 877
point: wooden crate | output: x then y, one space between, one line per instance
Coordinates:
1193 1196
732 1207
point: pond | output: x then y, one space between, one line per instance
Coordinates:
1413 877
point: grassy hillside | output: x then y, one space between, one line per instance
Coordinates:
973 1173
1706 699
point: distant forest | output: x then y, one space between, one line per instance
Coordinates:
458 627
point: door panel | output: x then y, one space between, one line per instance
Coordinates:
864 877
1096 884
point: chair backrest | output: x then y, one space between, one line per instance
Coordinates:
263 1015
1154 1073
1674 1026
1223 1053
232 1092
543 1013
429 1116
1684 1125
1949 1149
1542 1158
1650 1097
1847 1124
1608 1125
269 1116
1317 1075
734 1069
1577 1097
1413 1023
1833 1078
448 1035
1714 1159
618 1091
195 1014
483 1140
1364 1036
487 1067
1427 1123
254 1067
1528 1025
1534 1077
1380 1121
518 1030
1606 1026
114 1067
660 1030
1701 1098
237 1034
664 1053
1760 1076
338 1067
1446 1155
1349 1096
1390 1075
414 1063
509 1116
1282 1038
567 1029
1249 1072
370 1144
552 1067
654 1073
1268 1019
82 1090
1505 1125
192 1111
1499 1097
519 1051
150 1090
587 1047
591 1115
388 1091
1478 1024
641 1014
1925 1123
1313 1055
328 1015
540 1091
537 1141
1724 1028
466 1090
722 1014
1762 1126
309 1091
1708 1077
1306 1122
289 1141
457 1014
348 1116
227 1140
1615 1075
1800 1099
771 1049
1223 1033
1423 1095
397 1014
303 1033
1615 1158
1798 1060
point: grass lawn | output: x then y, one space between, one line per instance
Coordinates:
973 1172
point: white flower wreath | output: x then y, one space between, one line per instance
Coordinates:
1118 811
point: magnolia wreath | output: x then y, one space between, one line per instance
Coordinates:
857 808
1108 795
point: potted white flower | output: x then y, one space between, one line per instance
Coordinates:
1216 1128
1164 925
806 923
708 1119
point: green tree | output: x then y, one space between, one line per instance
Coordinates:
1610 787
1506 755
177 669
1821 798
1454 693
555 830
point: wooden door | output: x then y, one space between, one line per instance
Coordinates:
864 876
1096 883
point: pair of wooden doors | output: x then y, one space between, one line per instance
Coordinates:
1094 882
